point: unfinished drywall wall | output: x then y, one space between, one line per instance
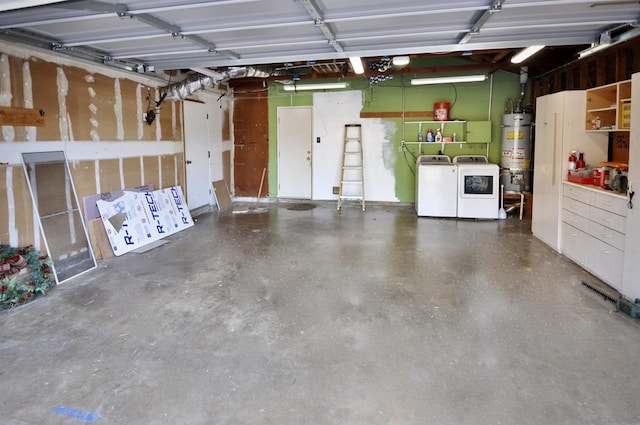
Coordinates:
96 117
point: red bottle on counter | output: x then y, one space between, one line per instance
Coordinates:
573 159
580 163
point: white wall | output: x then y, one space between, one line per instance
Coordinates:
331 111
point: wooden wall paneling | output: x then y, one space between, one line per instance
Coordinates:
181 171
24 205
251 142
50 177
83 174
17 92
78 101
226 124
168 171
132 172
45 96
151 171
164 115
131 113
4 205
109 170
226 167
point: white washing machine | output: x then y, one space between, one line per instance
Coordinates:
478 195
436 183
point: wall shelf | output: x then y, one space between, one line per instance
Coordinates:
609 106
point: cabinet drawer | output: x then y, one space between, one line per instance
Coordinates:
579 194
575 220
606 262
576 207
575 244
608 219
610 203
607 235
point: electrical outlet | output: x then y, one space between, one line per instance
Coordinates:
336 190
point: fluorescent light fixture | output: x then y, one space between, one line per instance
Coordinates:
444 80
356 64
401 61
526 53
594 48
323 86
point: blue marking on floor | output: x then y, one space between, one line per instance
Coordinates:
76 413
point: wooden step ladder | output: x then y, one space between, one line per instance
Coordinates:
352 178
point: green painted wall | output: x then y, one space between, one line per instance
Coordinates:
469 101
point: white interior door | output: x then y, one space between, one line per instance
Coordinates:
196 153
294 152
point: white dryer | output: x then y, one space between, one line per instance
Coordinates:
477 193
436 183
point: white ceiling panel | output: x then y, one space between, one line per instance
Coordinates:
220 33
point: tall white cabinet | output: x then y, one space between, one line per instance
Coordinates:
631 271
559 130
593 227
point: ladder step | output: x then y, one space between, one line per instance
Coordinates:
351 181
350 197
352 167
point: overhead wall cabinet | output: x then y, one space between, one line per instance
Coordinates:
609 107
559 130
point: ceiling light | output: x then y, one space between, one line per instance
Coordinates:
324 86
444 80
400 61
356 64
594 48
526 53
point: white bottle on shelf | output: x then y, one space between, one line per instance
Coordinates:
438 136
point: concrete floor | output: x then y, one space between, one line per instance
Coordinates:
325 317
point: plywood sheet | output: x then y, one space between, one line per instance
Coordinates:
84 177
109 175
4 206
168 170
226 167
45 97
24 208
51 184
99 240
226 125
151 171
181 170
221 191
132 172
251 140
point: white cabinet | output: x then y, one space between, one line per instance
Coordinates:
559 129
593 231
631 275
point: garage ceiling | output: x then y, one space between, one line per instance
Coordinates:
144 35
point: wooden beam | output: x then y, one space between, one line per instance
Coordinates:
398 114
21 117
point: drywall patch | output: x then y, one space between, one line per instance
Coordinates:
93 133
117 109
8 132
31 131
63 89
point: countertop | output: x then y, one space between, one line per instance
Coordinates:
596 189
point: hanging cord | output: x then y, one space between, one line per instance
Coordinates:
630 203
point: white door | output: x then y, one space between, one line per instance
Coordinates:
294 152
196 154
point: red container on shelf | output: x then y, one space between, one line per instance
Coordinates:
441 111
